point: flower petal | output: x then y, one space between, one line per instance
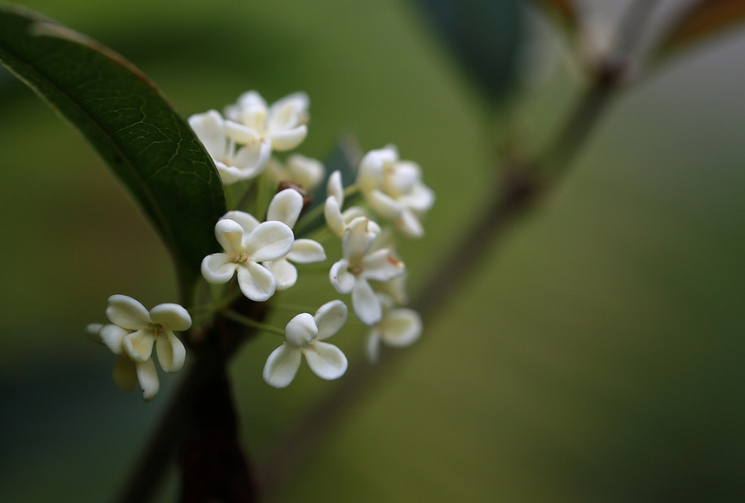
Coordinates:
113 337
325 360
366 304
240 133
409 224
335 189
284 273
380 265
253 158
256 282
171 352
230 235
218 268
370 175
247 221
125 374
289 112
269 241
127 313
148 377
301 330
401 178
383 204
209 129
329 318
372 346
305 171
92 332
306 251
340 277
334 218
281 366
289 139
420 199
401 327
171 316
139 345
285 207
357 240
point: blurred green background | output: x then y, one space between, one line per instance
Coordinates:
599 354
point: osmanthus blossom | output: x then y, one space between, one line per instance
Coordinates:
263 128
304 335
243 250
131 336
298 169
358 265
285 208
398 327
394 189
336 220
233 164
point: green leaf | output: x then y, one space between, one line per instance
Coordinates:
147 144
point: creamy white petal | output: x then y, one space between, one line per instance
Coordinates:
139 345
288 112
370 175
171 316
329 318
281 366
354 212
325 360
125 374
305 171
113 337
341 278
396 289
401 327
301 330
92 332
253 158
306 251
401 178
228 174
209 129
171 352
289 139
247 221
242 134
127 312
256 282
334 218
251 99
357 240
335 189
383 204
230 236
409 224
218 268
372 346
269 241
366 305
148 378
285 207
285 274
381 266
420 199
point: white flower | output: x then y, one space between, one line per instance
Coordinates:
279 127
394 189
350 274
285 207
245 243
232 164
337 221
398 327
303 336
299 170
131 336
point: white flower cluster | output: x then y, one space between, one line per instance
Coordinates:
262 254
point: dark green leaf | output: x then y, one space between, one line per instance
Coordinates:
129 122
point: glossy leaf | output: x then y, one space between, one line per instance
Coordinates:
147 144
705 19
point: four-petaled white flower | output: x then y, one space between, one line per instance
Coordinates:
298 169
358 265
232 163
285 207
398 327
131 335
394 189
262 129
339 221
243 249
303 336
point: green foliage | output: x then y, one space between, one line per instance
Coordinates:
129 122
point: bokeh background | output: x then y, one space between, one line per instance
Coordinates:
597 355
